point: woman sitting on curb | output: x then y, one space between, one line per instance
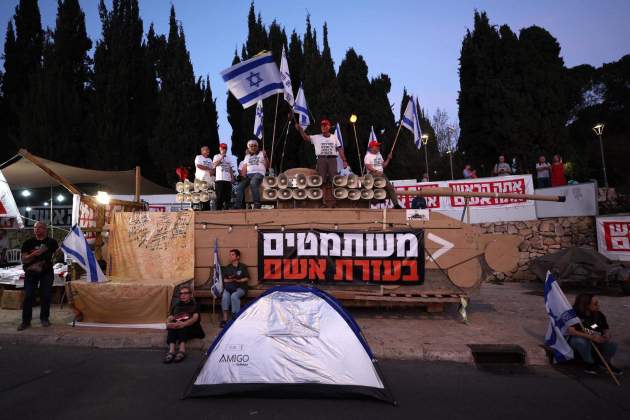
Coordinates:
183 324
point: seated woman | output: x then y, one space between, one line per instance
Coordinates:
183 324
594 329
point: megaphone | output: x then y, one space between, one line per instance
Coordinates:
283 181
379 182
353 181
298 193
314 193
340 180
187 186
354 194
187 198
270 194
314 180
179 197
340 193
270 182
179 187
197 184
203 186
367 194
379 194
285 194
204 197
367 181
195 197
300 181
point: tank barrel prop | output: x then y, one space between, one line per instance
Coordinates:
445 191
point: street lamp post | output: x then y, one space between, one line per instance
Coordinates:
450 151
599 130
425 140
353 121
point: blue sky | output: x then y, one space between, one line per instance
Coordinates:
416 43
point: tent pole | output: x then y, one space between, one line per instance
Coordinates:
63 181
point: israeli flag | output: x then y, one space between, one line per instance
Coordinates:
75 246
301 108
286 79
253 80
411 121
258 121
339 135
217 277
372 135
561 317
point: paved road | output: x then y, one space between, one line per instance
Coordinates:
85 383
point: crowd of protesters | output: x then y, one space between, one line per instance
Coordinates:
547 174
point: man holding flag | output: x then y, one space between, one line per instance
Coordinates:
375 166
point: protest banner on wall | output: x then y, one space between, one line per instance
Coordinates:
613 237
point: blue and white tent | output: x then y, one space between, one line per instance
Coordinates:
292 341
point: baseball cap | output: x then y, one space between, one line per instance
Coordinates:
374 143
223 146
325 122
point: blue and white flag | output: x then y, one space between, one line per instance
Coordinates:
217 277
75 246
286 79
258 121
301 109
561 317
253 80
411 121
372 135
339 135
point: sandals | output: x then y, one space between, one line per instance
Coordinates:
169 357
179 356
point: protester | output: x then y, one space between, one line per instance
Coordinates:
593 329
203 171
183 324
235 278
557 172
224 166
543 172
469 172
327 148
502 168
37 255
252 169
375 166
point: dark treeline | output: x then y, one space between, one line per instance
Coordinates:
518 98
135 102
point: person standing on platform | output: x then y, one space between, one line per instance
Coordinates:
543 172
224 177
204 170
37 255
375 166
327 148
502 168
252 169
235 278
557 172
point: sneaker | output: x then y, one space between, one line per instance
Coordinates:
591 370
45 323
23 326
616 370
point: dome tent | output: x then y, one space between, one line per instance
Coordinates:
292 341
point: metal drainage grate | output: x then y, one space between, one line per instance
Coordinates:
498 354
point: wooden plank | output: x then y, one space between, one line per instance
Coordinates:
63 181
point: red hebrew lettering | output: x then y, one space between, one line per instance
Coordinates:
376 269
295 269
388 273
316 269
365 268
339 270
272 269
413 270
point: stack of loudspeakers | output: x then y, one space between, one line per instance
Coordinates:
195 192
298 188
354 188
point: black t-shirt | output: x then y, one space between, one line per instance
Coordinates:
594 323
238 272
184 311
33 243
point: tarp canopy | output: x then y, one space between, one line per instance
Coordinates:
22 173
292 341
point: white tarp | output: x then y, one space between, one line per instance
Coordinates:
613 237
8 208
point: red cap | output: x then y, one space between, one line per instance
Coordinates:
374 144
223 146
325 122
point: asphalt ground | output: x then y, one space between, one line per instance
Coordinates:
55 382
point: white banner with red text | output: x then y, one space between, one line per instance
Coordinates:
613 237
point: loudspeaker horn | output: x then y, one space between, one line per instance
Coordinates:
354 194
301 181
195 197
314 181
314 193
379 194
179 197
203 186
298 193
340 180
187 197
285 194
353 181
270 194
179 187
204 197
340 193
270 182
367 182
367 194
283 181
379 182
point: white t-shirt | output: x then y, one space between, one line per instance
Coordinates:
543 170
224 172
255 163
202 174
374 159
325 146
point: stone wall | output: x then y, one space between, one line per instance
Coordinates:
542 237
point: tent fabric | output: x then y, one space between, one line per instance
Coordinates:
292 341
22 173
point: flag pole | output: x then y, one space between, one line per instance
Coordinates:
391 152
601 357
275 117
356 141
284 144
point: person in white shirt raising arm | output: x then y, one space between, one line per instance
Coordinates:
376 167
252 168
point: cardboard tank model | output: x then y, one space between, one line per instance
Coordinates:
359 254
